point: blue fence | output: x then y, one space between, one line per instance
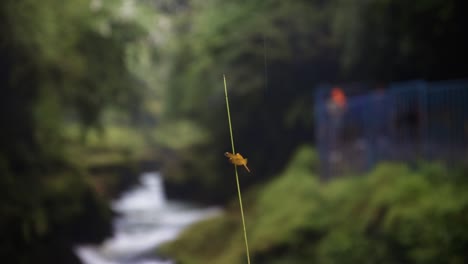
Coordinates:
401 122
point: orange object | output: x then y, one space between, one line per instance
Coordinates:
338 97
237 160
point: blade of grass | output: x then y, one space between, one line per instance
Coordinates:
235 170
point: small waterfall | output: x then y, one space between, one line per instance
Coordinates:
146 220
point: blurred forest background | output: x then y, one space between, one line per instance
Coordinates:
95 91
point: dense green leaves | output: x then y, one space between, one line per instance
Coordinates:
125 62
61 62
392 40
274 53
392 215
260 46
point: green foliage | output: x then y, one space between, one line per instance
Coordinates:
398 215
226 248
289 194
61 64
392 215
112 145
76 62
386 40
274 215
180 134
274 53
57 209
257 45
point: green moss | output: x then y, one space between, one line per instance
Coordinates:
396 215
286 204
393 215
202 241
219 240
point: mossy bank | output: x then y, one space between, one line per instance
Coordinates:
392 215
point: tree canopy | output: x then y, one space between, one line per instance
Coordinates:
274 53
60 62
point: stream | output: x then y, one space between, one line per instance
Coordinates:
145 220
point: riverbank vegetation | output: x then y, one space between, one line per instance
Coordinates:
94 90
68 112
394 214
274 53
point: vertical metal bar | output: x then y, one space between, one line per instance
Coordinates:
368 128
322 127
423 123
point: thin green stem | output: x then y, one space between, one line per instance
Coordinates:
229 115
237 175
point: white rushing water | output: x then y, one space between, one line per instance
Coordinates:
146 220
